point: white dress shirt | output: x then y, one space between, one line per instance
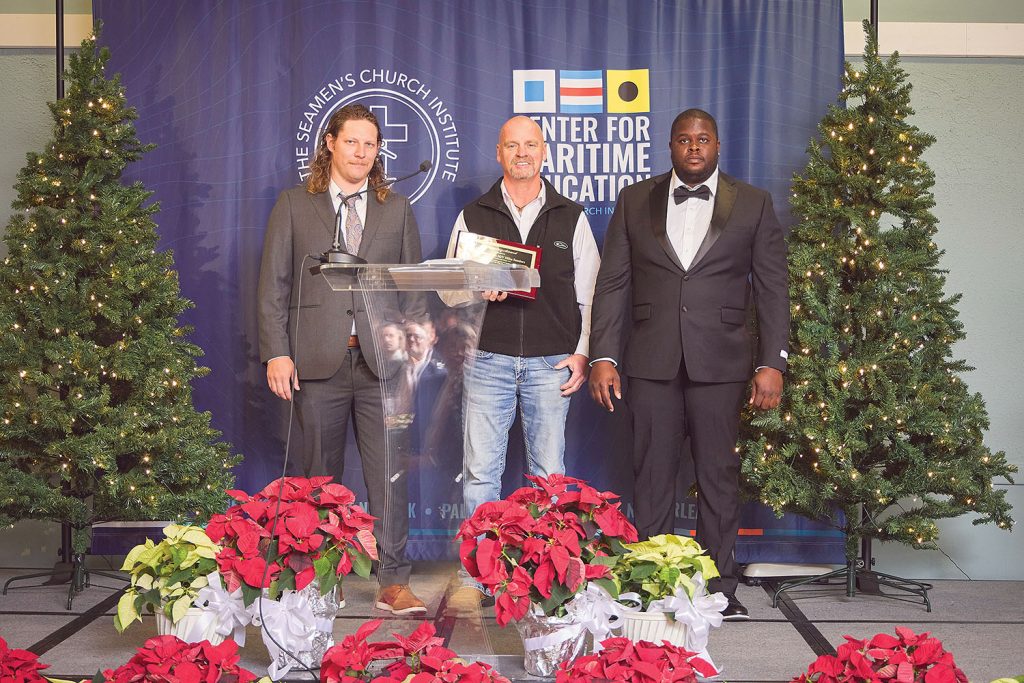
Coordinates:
585 256
687 223
360 211
360 206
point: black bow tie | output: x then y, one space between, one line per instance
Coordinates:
682 193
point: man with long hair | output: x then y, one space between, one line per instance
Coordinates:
325 341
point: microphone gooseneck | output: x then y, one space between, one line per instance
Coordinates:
337 254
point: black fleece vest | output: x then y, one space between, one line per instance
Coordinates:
551 323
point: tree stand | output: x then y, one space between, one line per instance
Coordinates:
75 573
858 575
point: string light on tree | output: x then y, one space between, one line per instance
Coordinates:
112 338
861 293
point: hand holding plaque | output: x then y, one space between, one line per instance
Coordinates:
490 250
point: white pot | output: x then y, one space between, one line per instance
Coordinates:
653 627
192 628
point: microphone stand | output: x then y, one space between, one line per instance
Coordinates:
337 254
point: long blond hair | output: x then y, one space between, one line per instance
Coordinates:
320 170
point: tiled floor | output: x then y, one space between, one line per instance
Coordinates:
981 622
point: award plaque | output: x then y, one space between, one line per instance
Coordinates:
491 250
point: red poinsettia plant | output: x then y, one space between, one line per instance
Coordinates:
19 666
907 657
623 660
294 530
417 658
168 659
543 543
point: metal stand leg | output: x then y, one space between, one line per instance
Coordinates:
853 577
77 576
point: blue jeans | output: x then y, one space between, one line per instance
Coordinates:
494 386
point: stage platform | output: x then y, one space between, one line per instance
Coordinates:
980 622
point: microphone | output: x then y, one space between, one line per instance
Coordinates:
336 254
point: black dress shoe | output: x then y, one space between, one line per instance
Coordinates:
735 611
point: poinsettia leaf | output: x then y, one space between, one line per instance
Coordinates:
617 547
609 585
559 594
249 594
286 579
328 582
180 576
305 577
642 571
368 542
361 563
606 560
179 608
544 578
560 559
574 575
703 667
927 651
885 640
126 612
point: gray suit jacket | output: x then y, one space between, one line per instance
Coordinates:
699 313
302 224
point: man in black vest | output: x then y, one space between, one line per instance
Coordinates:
532 354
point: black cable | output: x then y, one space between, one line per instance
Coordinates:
939 548
280 489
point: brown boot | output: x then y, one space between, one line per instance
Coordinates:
399 599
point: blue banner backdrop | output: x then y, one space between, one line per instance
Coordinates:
234 93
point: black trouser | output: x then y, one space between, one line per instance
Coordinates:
664 414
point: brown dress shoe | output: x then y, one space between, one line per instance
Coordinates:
399 599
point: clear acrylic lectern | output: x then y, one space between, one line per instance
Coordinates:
422 393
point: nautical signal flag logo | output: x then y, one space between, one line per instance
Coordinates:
629 92
581 92
533 91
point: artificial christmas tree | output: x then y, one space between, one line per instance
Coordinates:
877 432
95 372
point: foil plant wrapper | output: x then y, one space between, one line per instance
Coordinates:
549 641
302 623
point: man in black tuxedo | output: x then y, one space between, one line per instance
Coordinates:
685 255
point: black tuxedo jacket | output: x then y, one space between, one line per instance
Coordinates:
699 314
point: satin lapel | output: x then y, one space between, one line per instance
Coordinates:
659 207
324 208
725 199
374 215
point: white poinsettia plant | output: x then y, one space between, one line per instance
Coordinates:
658 567
166 576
